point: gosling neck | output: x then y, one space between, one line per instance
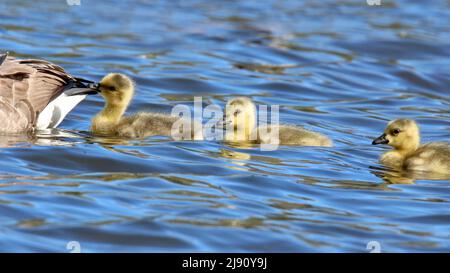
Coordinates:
106 121
114 111
109 117
409 147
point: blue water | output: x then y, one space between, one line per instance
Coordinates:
342 68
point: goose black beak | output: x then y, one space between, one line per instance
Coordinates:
90 89
380 140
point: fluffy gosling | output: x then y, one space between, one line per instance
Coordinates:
404 136
118 90
240 116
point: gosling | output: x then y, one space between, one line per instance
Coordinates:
240 124
404 136
118 90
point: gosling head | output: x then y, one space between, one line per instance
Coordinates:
402 134
117 89
240 113
239 119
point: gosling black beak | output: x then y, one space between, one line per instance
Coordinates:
380 140
87 89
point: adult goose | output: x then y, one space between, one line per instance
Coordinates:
37 94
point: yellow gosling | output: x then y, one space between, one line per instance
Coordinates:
404 136
240 117
118 90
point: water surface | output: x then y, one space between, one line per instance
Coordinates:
341 68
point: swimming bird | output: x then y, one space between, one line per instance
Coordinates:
118 90
404 136
37 94
241 126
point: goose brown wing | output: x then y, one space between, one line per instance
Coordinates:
42 84
28 86
13 120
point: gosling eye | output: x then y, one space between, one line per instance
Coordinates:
395 132
112 88
237 112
